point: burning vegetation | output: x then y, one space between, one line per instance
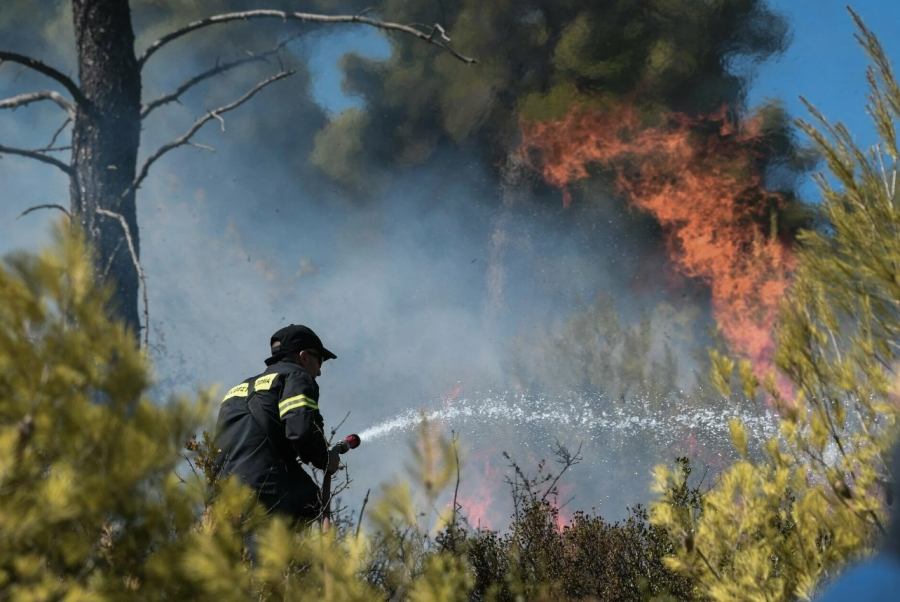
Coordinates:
701 179
538 61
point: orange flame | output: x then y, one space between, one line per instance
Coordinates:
482 508
479 511
706 190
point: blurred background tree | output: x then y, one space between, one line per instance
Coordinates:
537 60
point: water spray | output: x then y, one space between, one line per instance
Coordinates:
591 415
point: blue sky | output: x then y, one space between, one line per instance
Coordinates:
825 64
325 54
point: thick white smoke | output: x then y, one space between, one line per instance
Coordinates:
237 244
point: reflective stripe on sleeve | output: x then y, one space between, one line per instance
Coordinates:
298 401
264 383
239 391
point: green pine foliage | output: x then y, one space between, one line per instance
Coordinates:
89 495
776 526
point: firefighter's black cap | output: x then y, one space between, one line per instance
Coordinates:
296 338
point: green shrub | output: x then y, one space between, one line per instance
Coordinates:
538 557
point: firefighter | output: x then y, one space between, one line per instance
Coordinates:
270 423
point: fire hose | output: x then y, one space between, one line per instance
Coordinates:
342 447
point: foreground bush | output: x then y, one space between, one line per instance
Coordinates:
775 528
589 558
89 499
539 557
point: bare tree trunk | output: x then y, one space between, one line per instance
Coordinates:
105 141
105 106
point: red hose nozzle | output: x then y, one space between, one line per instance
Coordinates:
350 442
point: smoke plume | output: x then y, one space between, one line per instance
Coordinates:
410 234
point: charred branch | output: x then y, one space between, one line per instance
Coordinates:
137 266
109 262
38 155
217 70
50 148
185 139
47 70
335 429
25 99
53 149
56 134
49 206
566 460
361 512
432 35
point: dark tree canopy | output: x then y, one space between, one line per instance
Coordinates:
423 107
538 58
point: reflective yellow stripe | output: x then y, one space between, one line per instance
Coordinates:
308 401
239 391
294 406
264 383
298 401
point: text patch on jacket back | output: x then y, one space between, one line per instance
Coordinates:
264 383
239 391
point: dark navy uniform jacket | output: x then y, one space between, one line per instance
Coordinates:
266 424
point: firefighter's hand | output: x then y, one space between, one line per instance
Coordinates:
334 462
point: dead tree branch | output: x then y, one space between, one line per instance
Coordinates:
456 489
109 261
55 149
218 69
566 460
137 266
435 35
361 512
56 134
335 429
37 155
185 139
25 99
47 70
50 206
